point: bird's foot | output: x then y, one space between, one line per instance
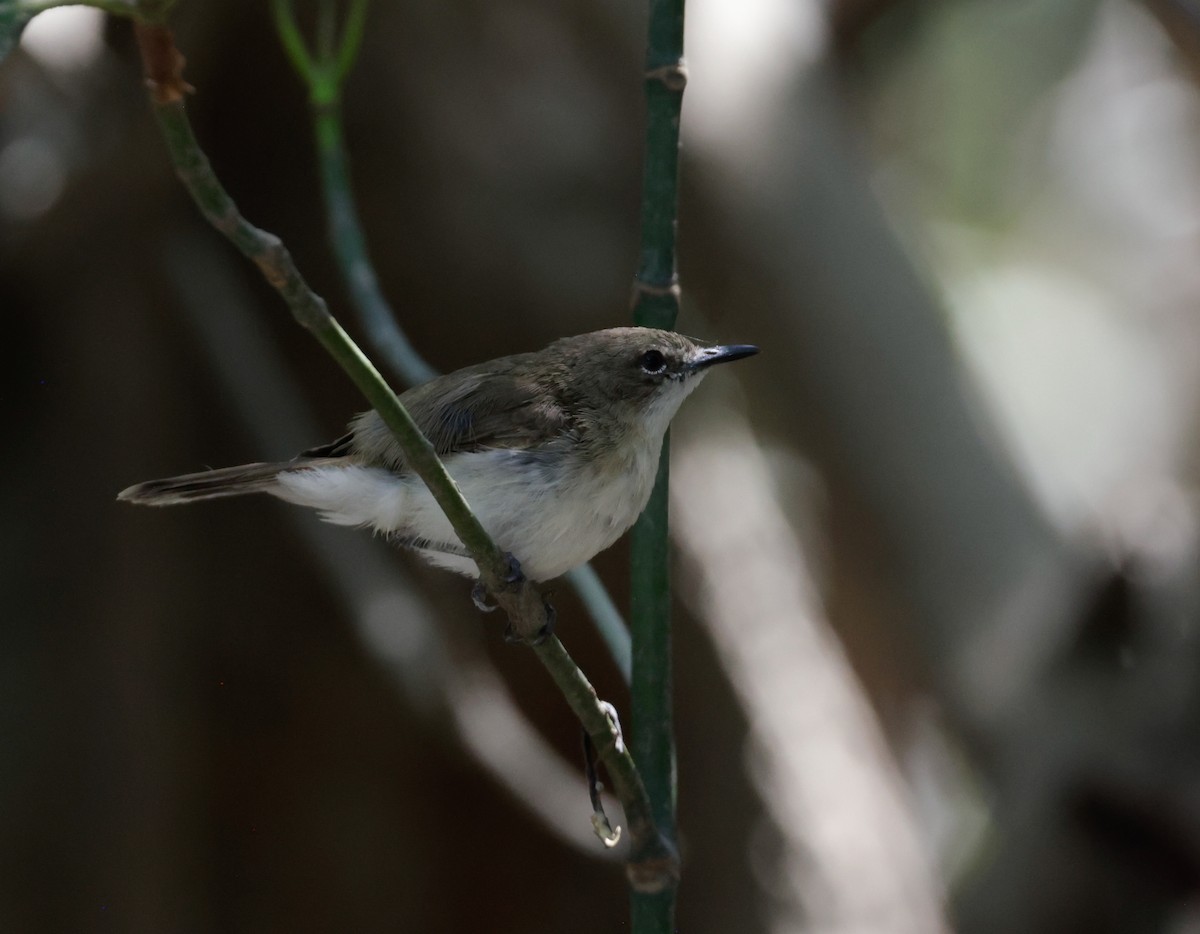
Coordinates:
514 575
512 579
611 712
482 599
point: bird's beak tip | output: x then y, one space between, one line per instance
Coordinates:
724 354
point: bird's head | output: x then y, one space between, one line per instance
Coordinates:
635 376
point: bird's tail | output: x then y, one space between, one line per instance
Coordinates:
213 484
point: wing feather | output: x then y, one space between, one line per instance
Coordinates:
470 410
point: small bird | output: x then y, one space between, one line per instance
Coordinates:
555 451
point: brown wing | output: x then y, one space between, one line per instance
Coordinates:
468 410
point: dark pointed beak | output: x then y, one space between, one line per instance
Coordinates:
711 356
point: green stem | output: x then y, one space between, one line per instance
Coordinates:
656 285
650 586
350 249
653 737
656 304
351 39
292 40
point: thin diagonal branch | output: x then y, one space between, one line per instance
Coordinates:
653 864
460 685
163 66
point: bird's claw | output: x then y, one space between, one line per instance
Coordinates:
482 599
615 721
514 575
512 579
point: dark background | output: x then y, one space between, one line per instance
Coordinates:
936 642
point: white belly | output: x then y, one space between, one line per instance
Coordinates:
552 516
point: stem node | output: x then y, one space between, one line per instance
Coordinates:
163 63
673 76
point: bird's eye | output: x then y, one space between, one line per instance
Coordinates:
653 362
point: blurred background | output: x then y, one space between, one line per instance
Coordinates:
936 547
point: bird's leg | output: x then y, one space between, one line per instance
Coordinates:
547 629
513 578
515 575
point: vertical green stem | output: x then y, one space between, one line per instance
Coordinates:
653 742
656 288
656 304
